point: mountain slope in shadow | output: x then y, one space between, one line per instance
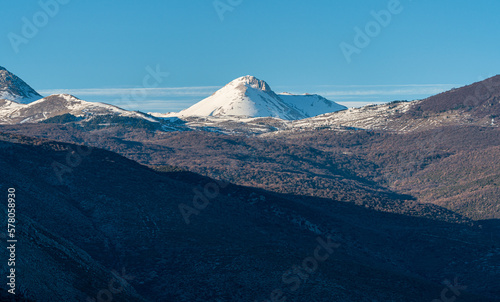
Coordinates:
241 244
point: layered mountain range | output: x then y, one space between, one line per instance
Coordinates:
250 97
248 105
229 199
245 97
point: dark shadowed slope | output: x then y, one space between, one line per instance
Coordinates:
238 246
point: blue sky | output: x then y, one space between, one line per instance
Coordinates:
100 50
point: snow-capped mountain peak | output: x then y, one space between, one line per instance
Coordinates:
13 88
248 96
19 103
250 82
244 96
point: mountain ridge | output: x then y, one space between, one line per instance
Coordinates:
245 96
13 88
248 96
60 104
406 193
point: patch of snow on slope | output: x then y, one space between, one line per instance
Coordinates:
311 104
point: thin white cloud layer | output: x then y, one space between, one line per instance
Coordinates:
154 92
178 98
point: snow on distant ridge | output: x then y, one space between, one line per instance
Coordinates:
58 104
244 97
310 104
248 96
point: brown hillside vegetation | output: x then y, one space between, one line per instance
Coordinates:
118 214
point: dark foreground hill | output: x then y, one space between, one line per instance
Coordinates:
84 213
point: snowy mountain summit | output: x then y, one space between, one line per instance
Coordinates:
250 97
12 88
19 103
